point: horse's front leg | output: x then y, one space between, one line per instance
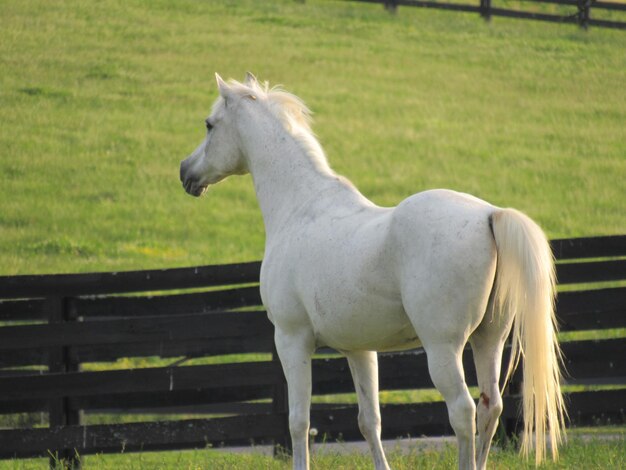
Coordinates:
295 350
364 368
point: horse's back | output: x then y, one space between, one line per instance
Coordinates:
441 218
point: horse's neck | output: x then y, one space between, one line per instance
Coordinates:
289 176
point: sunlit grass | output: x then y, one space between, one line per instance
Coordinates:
580 452
100 101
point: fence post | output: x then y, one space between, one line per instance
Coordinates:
485 9
59 361
584 6
391 6
280 406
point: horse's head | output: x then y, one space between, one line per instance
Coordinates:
220 154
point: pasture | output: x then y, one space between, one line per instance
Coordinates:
100 102
594 454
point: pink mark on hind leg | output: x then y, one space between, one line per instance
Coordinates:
485 399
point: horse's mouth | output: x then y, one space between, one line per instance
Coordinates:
195 189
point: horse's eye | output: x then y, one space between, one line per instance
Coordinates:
209 126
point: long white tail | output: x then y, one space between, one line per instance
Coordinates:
525 286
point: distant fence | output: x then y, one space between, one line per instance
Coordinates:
51 326
580 10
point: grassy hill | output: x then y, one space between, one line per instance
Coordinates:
99 102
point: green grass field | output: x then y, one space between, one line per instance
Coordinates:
595 453
99 102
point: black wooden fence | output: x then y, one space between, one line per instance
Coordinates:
53 326
579 11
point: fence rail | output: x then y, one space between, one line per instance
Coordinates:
52 326
581 15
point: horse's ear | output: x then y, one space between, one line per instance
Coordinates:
250 80
222 86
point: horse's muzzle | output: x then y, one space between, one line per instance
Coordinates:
191 186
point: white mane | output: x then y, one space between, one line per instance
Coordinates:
290 110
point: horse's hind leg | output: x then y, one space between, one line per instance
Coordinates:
364 368
446 371
295 351
487 344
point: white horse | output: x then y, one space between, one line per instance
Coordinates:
439 270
